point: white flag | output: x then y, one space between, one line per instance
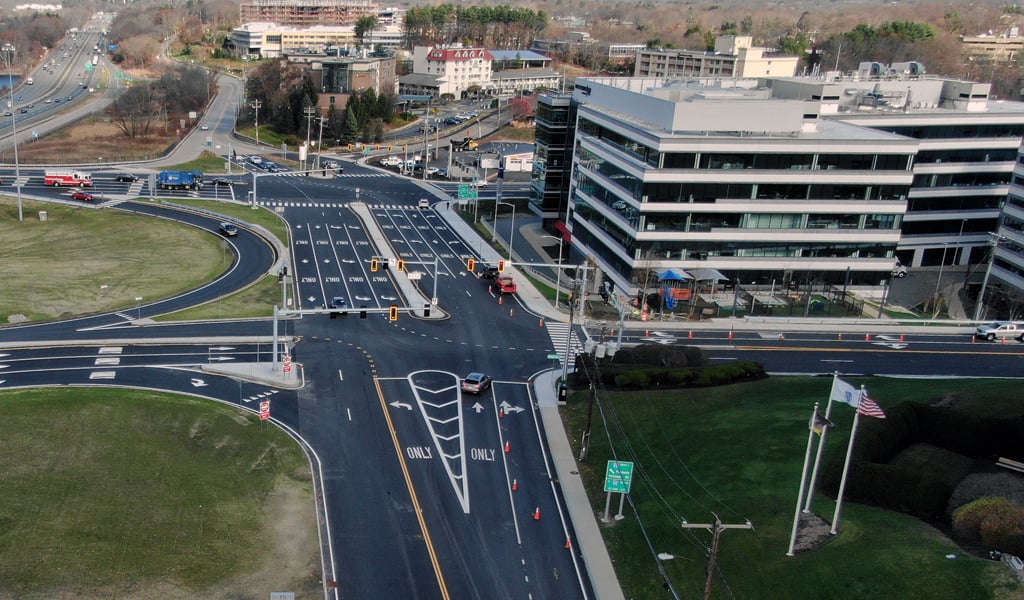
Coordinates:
844 392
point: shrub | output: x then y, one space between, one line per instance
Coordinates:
636 379
994 522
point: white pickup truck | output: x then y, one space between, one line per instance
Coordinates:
1000 330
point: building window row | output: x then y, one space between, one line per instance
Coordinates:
938 180
956 131
955 203
965 155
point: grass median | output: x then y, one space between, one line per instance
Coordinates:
136 494
737 451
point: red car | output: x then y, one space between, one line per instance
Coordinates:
83 196
504 284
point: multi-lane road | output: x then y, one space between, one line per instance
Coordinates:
423 491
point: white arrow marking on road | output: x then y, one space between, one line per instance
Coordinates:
478 407
398 404
335 226
348 261
3 355
311 298
199 383
664 341
389 298
891 345
219 358
305 260
363 298
887 338
221 348
327 260
509 408
415 241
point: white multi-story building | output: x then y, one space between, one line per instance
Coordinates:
730 180
733 56
439 70
270 40
1004 293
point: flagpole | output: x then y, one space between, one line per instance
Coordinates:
803 481
846 467
821 447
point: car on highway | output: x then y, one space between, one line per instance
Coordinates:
24 111
475 383
1000 330
504 284
228 229
220 181
204 126
125 178
83 196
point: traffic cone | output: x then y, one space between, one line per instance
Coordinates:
690 335
1002 341
730 334
536 514
867 337
511 312
901 337
501 413
647 333
568 544
508 446
515 485
782 336
499 299
840 337
542 322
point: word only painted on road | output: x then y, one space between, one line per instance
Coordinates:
487 454
419 452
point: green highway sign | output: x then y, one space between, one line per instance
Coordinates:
467 192
554 356
618 477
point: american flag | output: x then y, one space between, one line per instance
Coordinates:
869 408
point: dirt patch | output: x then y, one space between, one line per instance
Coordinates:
96 139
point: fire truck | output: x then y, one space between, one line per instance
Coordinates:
58 178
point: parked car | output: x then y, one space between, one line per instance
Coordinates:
83 196
228 229
504 284
475 383
125 178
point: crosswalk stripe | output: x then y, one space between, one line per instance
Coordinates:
559 333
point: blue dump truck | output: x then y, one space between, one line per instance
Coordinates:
180 180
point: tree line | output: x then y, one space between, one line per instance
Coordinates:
143 107
499 27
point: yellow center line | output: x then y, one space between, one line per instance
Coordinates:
412 493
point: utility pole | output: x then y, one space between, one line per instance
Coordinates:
716 530
309 111
256 104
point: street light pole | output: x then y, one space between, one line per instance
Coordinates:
8 51
309 111
558 271
510 233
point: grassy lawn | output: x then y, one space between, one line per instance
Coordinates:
82 261
107 491
737 451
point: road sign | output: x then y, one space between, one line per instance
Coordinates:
264 410
287 363
618 477
554 357
467 192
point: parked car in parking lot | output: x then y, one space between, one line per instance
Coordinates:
475 383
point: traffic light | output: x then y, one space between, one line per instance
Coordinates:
471 264
426 309
393 313
374 264
501 266
401 267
